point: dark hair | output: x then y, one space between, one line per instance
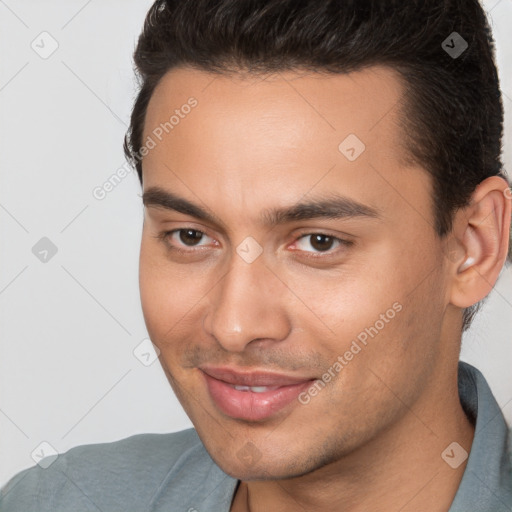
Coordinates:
451 115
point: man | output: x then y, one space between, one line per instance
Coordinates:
324 207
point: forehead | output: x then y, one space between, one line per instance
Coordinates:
365 102
253 135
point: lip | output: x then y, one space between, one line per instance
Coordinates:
250 405
252 378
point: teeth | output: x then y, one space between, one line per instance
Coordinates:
254 389
259 389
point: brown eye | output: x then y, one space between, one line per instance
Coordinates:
321 242
190 236
186 240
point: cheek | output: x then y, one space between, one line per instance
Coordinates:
384 317
160 291
171 294
335 306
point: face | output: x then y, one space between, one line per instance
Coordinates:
288 251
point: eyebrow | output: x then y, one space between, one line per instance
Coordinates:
331 207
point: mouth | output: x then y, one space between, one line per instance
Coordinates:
255 395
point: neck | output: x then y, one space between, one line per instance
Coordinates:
400 469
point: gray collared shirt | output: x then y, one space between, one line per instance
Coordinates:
174 473
487 481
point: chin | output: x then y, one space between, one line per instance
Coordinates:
247 464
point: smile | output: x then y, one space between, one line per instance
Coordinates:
252 396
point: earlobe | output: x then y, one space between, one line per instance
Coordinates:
484 227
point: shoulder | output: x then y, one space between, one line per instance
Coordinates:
509 446
122 475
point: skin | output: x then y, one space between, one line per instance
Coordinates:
372 438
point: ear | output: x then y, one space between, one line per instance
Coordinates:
483 232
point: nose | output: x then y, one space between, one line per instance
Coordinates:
247 304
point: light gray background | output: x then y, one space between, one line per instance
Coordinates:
68 375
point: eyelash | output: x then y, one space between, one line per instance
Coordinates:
165 235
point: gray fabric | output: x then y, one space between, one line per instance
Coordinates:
148 472
486 485
174 473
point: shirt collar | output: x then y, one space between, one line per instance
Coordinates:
486 485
